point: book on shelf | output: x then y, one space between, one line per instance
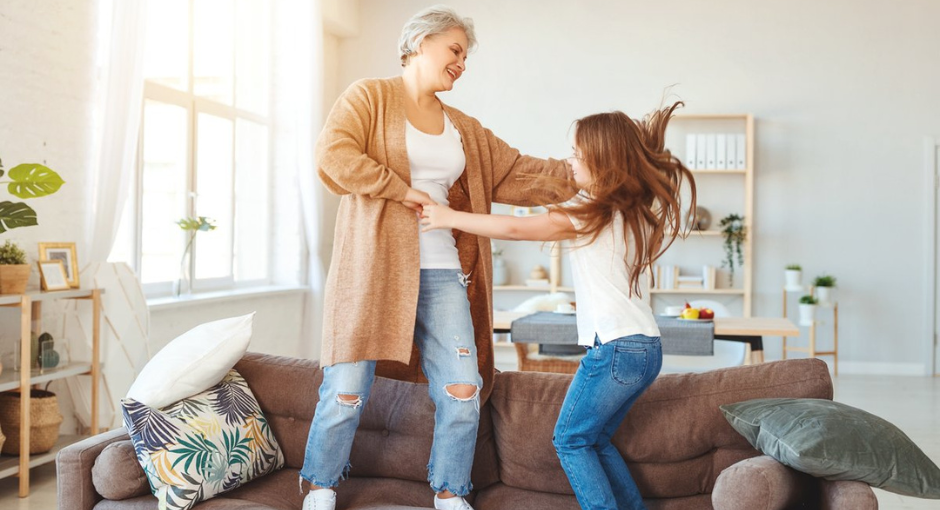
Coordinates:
537 282
666 276
689 282
709 274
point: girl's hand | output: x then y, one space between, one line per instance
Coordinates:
416 200
436 217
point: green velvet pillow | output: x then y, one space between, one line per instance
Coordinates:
836 442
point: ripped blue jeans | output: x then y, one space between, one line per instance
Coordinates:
444 335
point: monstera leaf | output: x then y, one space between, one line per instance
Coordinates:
16 214
28 180
32 180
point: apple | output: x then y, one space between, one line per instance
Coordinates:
706 313
689 313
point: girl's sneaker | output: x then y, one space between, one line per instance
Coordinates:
320 499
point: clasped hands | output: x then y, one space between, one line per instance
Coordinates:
431 214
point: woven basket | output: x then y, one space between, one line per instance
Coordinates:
2 438
44 421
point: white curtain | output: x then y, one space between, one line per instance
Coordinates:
119 121
298 115
125 317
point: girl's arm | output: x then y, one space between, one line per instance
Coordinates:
551 226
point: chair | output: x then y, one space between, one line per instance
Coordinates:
727 353
533 362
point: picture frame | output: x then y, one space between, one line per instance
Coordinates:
67 254
52 275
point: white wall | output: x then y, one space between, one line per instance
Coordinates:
843 92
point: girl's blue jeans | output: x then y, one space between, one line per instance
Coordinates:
609 379
444 335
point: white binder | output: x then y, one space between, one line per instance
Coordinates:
742 149
710 154
690 154
731 157
721 151
700 152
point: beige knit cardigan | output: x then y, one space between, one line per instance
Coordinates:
371 294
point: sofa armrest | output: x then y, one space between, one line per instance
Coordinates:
847 494
762 483
73 470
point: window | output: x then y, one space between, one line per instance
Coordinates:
204 147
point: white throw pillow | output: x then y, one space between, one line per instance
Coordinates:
193 362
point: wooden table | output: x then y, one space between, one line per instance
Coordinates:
751 330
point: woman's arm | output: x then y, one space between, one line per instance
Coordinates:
342 162
551 226
514 176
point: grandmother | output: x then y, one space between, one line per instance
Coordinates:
398 301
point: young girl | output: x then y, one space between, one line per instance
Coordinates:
627 214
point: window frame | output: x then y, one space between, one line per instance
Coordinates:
194 106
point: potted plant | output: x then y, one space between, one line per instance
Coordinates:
14 271
824 285
794 275
500 271
807 310
734 233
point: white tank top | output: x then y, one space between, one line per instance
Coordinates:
437 161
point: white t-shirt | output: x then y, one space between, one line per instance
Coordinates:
602 287
437 161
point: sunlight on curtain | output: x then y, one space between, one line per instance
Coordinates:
298 91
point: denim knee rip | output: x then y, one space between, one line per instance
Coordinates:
475 398
355 402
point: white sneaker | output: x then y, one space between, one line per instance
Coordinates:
320 499
455 503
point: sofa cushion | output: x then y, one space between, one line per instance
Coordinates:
667 457
192 362
837 442
204 445
117 474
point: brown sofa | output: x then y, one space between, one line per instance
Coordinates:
681 451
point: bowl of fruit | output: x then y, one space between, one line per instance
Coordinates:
691 313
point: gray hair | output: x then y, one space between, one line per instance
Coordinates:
432 21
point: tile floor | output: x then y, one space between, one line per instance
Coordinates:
911 403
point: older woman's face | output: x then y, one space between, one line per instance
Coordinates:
442 58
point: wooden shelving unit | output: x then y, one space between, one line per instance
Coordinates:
30 306
737 180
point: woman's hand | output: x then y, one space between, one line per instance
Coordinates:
417 199
437 216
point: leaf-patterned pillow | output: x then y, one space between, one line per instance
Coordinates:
203 445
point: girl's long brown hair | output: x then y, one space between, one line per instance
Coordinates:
637 177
